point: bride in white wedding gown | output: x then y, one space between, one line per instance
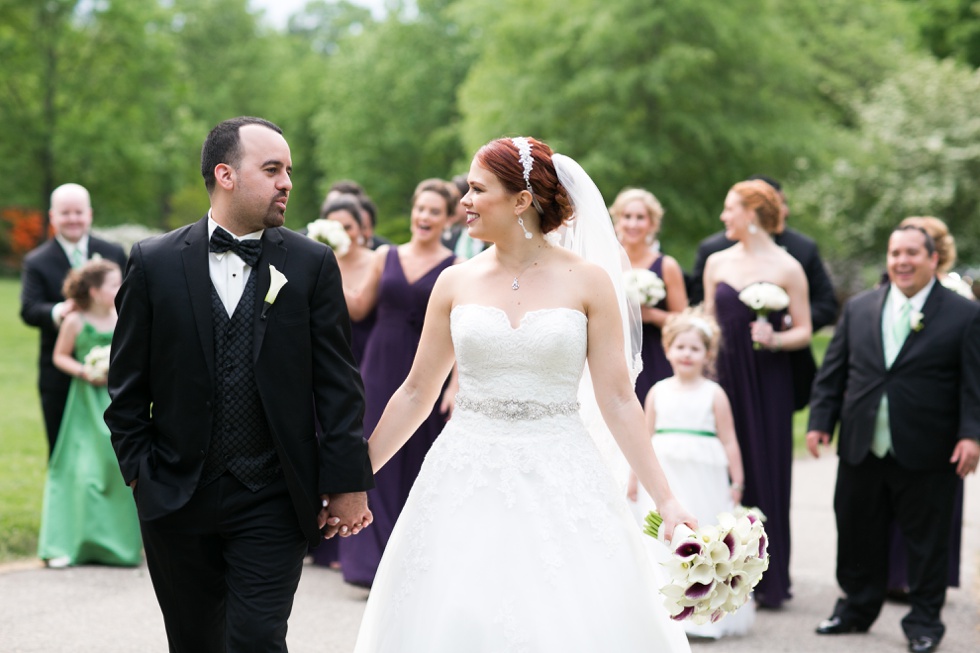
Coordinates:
516 537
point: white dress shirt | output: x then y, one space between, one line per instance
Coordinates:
58 310
893 307
229 273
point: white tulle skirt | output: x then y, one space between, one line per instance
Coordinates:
516 538
697 469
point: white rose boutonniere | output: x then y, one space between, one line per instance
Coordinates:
275 285
915 321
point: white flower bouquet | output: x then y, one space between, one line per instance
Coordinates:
958 284
713 570
96 363
644 287
763 298
330 233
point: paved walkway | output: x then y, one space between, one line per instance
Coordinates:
106 610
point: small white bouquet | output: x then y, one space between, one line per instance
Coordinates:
644 287
96 363
763 298
330 233
713 570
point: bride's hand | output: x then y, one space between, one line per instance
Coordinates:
673 513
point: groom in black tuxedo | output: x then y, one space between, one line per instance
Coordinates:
233 335
41 303
902 377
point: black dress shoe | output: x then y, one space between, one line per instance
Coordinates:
837 626
923 644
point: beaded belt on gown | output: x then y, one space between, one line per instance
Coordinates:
516 409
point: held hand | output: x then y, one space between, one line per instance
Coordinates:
762 333
348 514
68 306
816 438
965 455
673 514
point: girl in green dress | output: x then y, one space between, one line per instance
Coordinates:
89 515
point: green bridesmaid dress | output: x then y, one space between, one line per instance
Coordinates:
89 515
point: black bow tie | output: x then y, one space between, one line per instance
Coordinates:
248 250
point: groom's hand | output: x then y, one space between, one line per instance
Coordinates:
346 514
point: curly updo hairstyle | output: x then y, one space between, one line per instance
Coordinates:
762 198
945 244
81 280
502 158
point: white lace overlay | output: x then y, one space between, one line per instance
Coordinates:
515 537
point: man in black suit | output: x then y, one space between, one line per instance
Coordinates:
233 335
823 301
902 376
41 303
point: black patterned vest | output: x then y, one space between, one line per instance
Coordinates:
241 442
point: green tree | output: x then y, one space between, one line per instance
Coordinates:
949 28
682 97
388 115
916 152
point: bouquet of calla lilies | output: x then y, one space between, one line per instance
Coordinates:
713 570
330 233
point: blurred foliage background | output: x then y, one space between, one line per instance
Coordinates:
865 109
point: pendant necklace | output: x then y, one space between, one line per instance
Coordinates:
515 285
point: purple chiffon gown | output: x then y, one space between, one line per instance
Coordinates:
388 357
328 552
656 367
759 384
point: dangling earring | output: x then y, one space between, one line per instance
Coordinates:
753 229
527 234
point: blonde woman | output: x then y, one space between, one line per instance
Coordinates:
638 215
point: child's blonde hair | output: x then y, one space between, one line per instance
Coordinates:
694 319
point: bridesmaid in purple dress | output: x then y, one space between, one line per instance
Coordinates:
398 286
355 265
753 366
638 216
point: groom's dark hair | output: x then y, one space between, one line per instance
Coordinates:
223 145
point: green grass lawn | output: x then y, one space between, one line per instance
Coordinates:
23 446
820 342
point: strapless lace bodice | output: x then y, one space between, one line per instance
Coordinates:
540 361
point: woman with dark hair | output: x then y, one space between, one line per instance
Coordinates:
355 264
397 286
754 366
516 535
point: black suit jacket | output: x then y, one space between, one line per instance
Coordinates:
933 385
45 269
161 376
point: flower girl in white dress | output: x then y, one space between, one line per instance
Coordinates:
515 537
694 438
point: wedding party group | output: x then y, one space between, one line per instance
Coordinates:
524 429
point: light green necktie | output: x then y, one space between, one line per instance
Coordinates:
881 443
77 258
